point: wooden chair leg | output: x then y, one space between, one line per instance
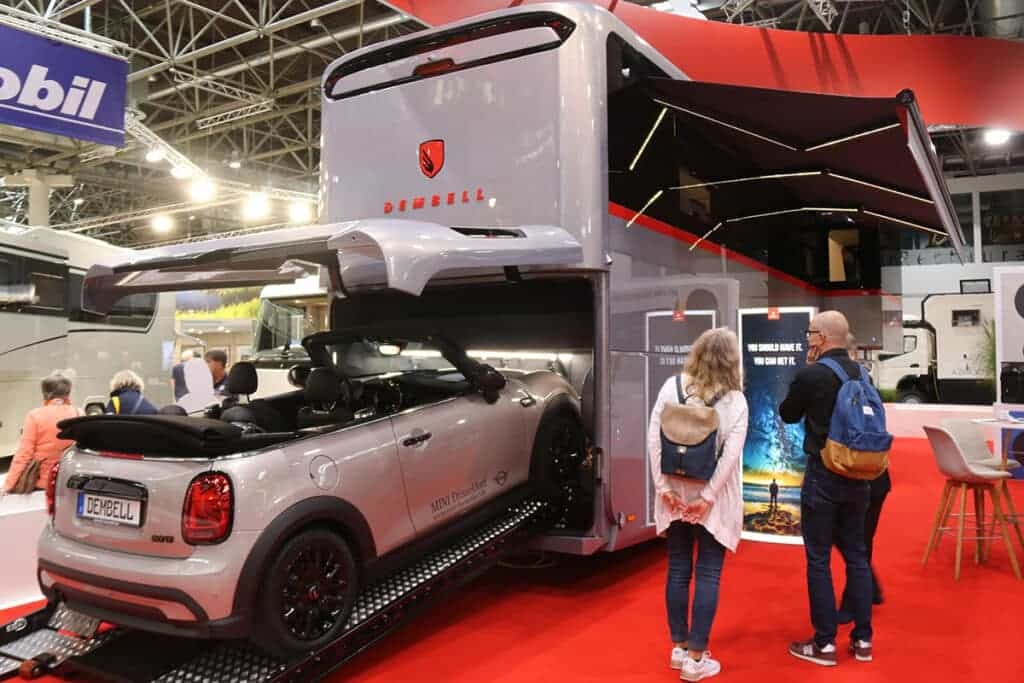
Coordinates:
1013 512
997 510
940 514
960 531
977 523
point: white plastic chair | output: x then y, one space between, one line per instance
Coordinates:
963 475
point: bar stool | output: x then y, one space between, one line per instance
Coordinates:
971 441
961 476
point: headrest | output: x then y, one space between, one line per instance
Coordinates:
242 379
173 409
322 386
238 414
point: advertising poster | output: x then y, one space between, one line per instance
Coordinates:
669 338
774 348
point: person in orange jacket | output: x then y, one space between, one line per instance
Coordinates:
39 434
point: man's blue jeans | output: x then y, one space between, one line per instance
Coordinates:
832 509
682 537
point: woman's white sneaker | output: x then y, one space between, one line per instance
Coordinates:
678 654
699 669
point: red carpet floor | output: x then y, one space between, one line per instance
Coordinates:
602 618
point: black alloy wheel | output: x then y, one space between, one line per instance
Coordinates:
308 593
313 594
559 455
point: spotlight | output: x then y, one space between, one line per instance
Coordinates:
255 207
202 189
162 223
996 136
235 164
300 212
181 172
155 154
78 201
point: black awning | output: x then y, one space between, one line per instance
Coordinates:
756 155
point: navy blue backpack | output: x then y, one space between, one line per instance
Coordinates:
858 443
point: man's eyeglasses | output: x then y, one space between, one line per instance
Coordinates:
810 332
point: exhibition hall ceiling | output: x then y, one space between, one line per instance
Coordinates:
233 85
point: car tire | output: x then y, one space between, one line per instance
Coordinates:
911 397
307 595
559 450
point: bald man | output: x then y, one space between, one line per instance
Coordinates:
832 507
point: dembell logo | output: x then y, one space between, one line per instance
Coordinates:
39 95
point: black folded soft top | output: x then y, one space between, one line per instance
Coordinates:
163 435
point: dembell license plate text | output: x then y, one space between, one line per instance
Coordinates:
108 509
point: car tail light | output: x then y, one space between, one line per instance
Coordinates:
209 509
51 489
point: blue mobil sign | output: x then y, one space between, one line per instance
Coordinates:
59 88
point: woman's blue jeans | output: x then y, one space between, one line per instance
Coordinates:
683 539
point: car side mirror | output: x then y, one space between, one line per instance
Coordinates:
490 382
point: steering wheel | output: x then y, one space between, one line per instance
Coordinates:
387 397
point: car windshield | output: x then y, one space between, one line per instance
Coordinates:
282 326
368 357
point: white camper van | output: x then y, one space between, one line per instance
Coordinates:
45 328
942 359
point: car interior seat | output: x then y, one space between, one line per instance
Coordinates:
173 409
243 381
323 397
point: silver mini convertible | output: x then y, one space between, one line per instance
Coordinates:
265 518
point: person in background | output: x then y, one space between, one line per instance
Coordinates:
705 514
217 360
39 440
178 375
832 507
126 395
200 387
773 491
880 488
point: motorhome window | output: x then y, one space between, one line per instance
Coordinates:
136 310
967 318
560 29
50 291
979 286
909 343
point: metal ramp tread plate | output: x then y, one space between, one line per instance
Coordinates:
66 634
242 663
8 666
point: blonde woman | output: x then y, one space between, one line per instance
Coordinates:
126 395
702 519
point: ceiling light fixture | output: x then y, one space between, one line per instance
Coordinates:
181 172
155 154
996 136
300 212
162 223
202 189
78 201
256 207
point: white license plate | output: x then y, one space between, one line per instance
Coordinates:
110 510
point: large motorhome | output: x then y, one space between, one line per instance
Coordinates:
46 329
462 165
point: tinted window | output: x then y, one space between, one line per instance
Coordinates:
32 286
136 310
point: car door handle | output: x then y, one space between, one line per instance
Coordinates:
417 440
915 365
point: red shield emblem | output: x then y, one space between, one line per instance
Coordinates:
431 157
